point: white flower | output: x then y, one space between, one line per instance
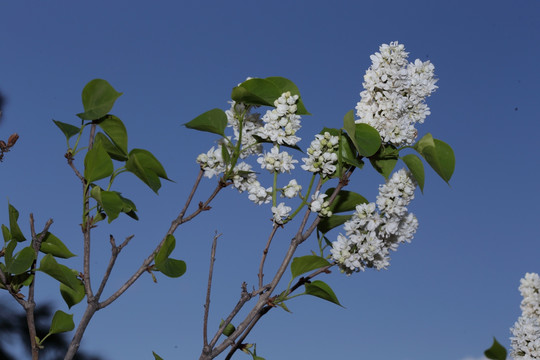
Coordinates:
291 190
322 155
281 212
526 331
258 194
394 97
276 161
239 115
281 123
318 205
212 162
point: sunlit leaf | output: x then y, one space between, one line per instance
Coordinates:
256 92
146 167
116 130
22 261
366 139
321 290
97 164
52 245
438 154
304 264
285 85
15 231
98 98
385 160
416 167
72 296
60 272
68 129
61 322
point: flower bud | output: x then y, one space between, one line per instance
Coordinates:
12 140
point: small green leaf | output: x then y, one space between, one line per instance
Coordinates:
261 140
68 129
6 234
98 97
61 322
322 290
72 296
229 329
283 306
285 85
348 124
60 272
116 130
366 139
156 356
256 92
438 154
22 261
8 253
18 281
97 164
327 224
496 351
146 167
169 267
111 149
303 264
385 160
213 121
52 245
15 231
112 204
345 200
416 168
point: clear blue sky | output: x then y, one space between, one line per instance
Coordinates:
445 294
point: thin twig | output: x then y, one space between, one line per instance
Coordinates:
208 290
265 253
87 228
115 251
192 193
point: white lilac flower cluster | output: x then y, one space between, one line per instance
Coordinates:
394 97
319 205
371 234
526 331
250 126
280 213
276 161
281 123
322 155
291 190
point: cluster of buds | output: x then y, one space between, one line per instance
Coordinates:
4 148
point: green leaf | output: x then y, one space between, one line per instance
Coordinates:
22 261
261 140
61 322
349 124
52 245
496 351
73 296
60 272
438 154
18 281
68 129
98 98
256 92
345 200
213 121
327 224
303 264
15 231
112 204
229 329
8 253
115 129
321 290
385 160
169 267
6 234
146 167
416 168
366 139
97 164
111 149
285 85
156 356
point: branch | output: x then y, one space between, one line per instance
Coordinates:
208 290
265 253
115 251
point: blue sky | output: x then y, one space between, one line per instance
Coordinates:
444 296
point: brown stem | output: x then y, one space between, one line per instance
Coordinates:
208 290
115 251
265 253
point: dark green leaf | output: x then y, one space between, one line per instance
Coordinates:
349 124
22 261
285 85
98 98
15 231
115 129
61 322
213 121
8 253
345 200
97 164
52 245
496 351
68 129
322 290
18 281
366 139
385 160
229 329
261 140
348 152
111 149
146 167
70 296
60 272
112 204
438 154
303 264
416 168
327 224
172 268
156 356
256 92
6 234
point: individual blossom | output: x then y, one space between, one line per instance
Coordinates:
243 176
291 190
212 162
258 193
319 205
240 116
525 341
275 161
322 155
282 123
376 228
393 100
280 213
